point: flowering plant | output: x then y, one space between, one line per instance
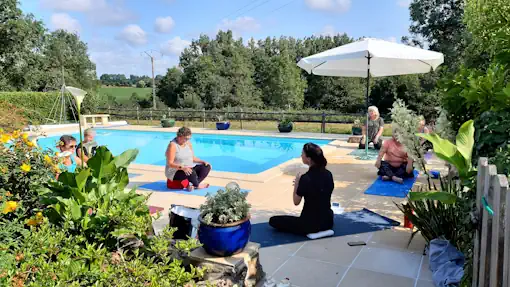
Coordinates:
24 168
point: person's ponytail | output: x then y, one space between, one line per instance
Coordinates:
314 152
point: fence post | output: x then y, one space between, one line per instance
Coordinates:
109 109
137 115
323 125
203 117
241 118
150 113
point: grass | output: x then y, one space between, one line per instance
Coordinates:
264 126
122 94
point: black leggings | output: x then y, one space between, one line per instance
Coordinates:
388 170
377 145
199 173
296 225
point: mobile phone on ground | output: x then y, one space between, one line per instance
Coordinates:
357 243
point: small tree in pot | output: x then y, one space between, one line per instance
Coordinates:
225 222
356 128
167 123
285 125
223 123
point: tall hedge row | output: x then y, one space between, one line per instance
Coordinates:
36 106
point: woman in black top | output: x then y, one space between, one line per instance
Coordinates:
316 187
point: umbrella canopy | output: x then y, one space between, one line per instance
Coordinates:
386 59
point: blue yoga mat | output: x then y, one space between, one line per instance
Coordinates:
161 187
348 223
390 188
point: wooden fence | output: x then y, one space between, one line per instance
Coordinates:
491 258
320 117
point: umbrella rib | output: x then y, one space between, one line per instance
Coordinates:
317 66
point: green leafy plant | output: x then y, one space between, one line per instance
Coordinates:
284 122
93 202
226 206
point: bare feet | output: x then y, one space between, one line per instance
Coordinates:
203 185
385 177
190 188
397 179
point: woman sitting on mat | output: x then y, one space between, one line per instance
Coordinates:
180 162
316 187
396 166
375 129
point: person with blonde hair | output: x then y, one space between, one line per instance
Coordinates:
89 145
375 129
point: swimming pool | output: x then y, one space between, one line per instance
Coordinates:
242 154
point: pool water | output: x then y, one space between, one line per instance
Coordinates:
242 154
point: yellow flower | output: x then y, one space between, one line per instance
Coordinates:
26 167
8 193
32 222
5 138
10 206
38 215
47 159
15 134
30 144
25 136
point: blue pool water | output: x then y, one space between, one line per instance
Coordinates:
243 154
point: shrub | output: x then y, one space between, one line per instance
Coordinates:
226 206
24 168
35 105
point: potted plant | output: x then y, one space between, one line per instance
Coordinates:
167 123
222 123
356 128
285 125
225 222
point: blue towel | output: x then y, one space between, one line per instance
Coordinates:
446 263
161 187
390 188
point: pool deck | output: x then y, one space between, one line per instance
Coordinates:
386 260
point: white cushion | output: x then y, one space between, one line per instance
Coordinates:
321 234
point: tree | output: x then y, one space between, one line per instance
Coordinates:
439 24
140 84
168 87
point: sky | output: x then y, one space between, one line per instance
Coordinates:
118 32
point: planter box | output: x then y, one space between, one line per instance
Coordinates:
222 126
356 131
285 128
168 123
224 240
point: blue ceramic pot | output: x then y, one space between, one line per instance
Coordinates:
222 125
224 240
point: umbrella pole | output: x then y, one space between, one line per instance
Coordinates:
368 116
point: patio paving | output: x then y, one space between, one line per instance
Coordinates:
386 260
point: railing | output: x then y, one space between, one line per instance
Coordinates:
204 116
491 258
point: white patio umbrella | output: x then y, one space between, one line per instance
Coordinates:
371 58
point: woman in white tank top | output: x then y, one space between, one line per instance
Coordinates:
180 162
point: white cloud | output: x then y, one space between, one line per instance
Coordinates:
338 6
65 22
99 12
404 3
164 24
328 30
174 46
133 35
240 25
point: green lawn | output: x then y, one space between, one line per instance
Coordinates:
124 93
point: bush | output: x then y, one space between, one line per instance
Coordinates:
83 230
226 206
35 105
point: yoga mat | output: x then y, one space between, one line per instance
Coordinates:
372 153
161 186
348 223
390 188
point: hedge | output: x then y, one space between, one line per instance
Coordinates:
36 106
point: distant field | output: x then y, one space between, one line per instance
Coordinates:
124 93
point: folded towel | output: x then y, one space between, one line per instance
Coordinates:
321 234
